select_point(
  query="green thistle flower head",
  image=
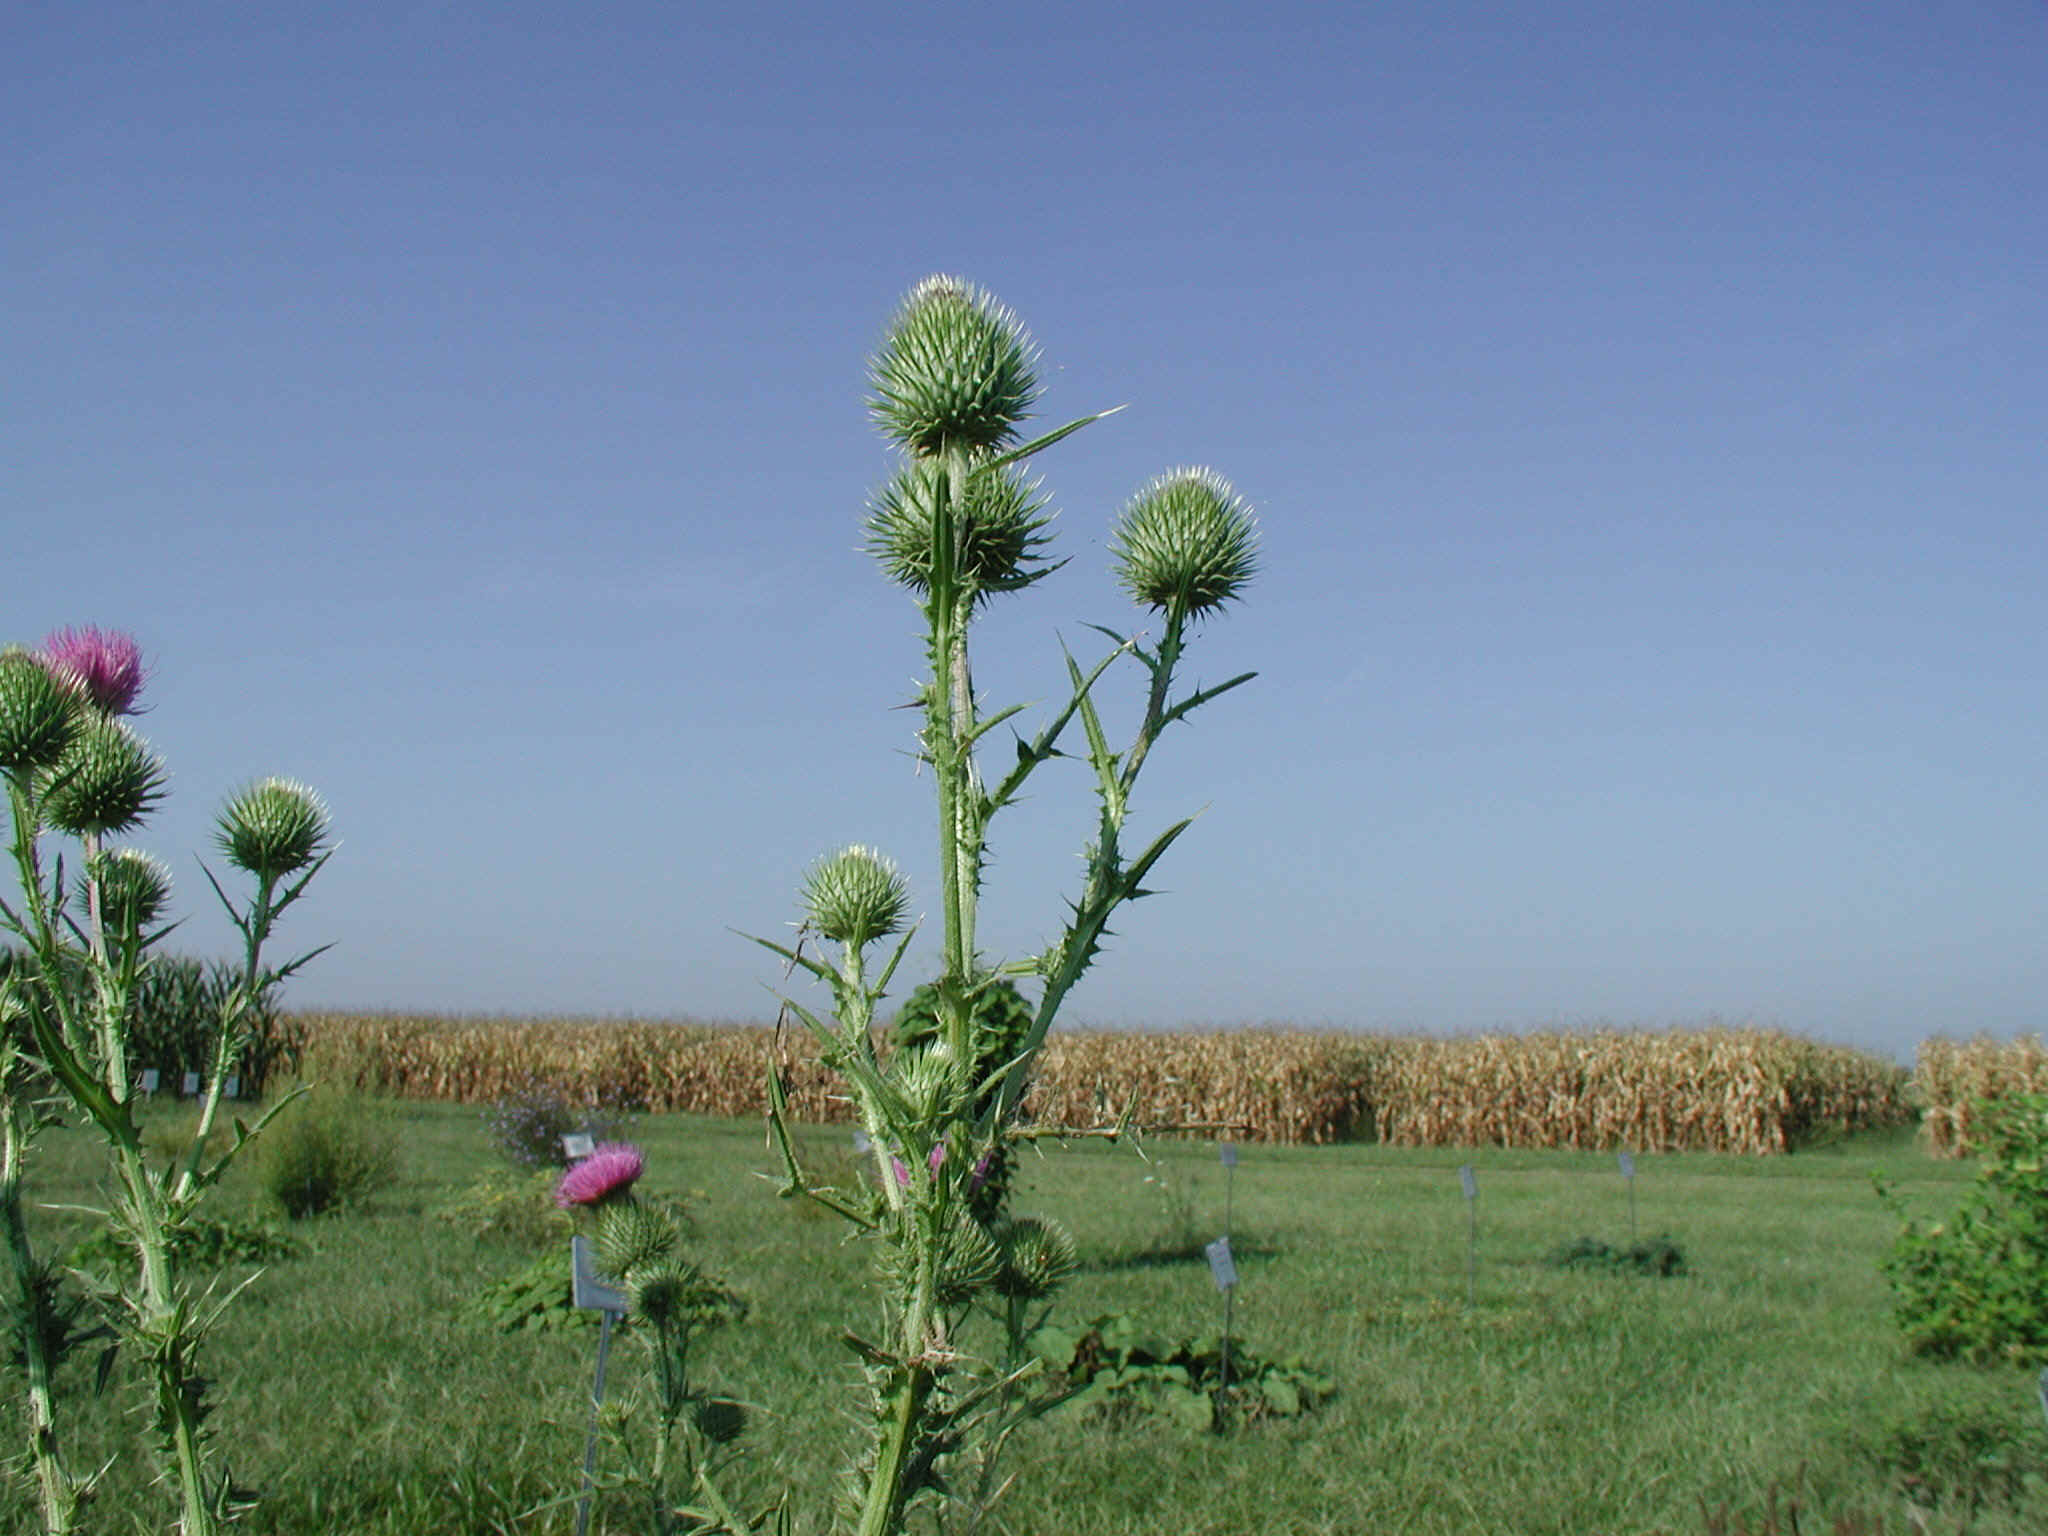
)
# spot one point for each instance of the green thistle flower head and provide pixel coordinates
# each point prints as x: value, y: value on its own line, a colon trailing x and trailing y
x: 1038, y: 1257
x: 956, y: 371
x: 37, y: 713
x: 661, y: 1295
x: 856, y: 896
x: 272, y: 829
x: 632, y: 1238
x: 106, y: 781
x: 134, y: 889
x: 1000, y: 523
x: 1186, y: 541
x: 969, y: 1262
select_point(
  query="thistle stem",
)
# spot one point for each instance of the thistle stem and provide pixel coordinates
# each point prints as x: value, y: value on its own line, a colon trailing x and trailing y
x: 56, y: 1491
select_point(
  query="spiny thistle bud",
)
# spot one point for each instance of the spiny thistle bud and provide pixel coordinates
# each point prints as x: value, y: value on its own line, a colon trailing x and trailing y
x: 134, y: 889
x: 719, y: 1419
x: 633, y: 1237
x: 37, y: 719
x: 855, y: 896
x: 968, y: 1263
x: 1000, y: 519
x: 954, y: 372
x: 1038, y: 1257
x: 925, y: 1075
x: 272, y: 829
x: 102, y: 666
x: 1186, y: 541
x: 106, y: 781
x: 659, y: 1295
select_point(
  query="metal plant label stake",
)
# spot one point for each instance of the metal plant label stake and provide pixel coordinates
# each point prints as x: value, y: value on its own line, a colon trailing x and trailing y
x: 1228, y: 1153
x: 150, y: 1078
x: 610, y: 1304
x: 1470, y: 1181
x: 1224, y: 1270
x: 576, y: 1146
x: 191, y: 1089
x: 1628, y: 1171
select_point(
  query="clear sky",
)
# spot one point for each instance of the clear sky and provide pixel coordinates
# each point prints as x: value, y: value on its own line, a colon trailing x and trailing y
x: 1643, y: 402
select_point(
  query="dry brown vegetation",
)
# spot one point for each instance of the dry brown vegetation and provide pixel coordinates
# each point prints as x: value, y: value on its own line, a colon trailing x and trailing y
x: 1716, y: 1089
x: 1951, y: 1077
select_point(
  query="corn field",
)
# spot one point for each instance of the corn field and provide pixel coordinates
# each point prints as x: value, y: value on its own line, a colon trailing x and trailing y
x: 1717, y: 1090
x: 1952, y: 1077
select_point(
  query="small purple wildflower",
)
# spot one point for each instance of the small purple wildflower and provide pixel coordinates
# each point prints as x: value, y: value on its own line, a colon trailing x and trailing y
x: 937, y: 1159
x: 103, y: 664
x: 982, y: 1165
x: 607, y: 1173
x: 902, y: 1171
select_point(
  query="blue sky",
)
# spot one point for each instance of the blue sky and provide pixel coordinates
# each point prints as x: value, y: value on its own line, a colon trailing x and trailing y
x: 1643, y: 404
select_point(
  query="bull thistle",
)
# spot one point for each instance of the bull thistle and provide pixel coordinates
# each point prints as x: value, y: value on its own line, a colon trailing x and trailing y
x: 956, y: 526
x: 73, y: 768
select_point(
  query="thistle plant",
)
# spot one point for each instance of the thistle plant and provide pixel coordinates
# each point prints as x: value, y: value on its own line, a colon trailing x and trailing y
x: 957, y: 526
x: 77, y: 773
x: 669, y: 1301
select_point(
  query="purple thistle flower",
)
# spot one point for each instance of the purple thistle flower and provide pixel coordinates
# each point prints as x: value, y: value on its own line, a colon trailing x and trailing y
x: 937, y: 1159
x: 982, y: 1165
x: 610, y: 1171
x: 103, y: 664
x: 902, y: 1172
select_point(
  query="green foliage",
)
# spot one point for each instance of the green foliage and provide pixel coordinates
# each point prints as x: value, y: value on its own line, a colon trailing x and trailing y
x: 1976, y: 1286
x: 1660, y: 1256
x: 506, y: 1207
x: 202, y: 1242
x: 176, y: 1017
x: 1000, y: 1023
x: 328, y: 1153
x: 1969, y: 1455
x: 1114, y: 1368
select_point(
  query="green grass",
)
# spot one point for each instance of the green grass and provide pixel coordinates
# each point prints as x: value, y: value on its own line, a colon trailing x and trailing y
x: 357, y: 1397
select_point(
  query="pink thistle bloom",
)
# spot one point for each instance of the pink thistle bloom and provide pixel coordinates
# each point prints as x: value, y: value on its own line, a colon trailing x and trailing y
x: 105, y: 665
x: 610, y: 1171
x: 982, y: 1165
x: 937, y: 1159
x: 902, y: 1172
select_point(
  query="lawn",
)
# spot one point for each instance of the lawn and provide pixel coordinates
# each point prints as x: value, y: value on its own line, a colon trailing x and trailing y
x: 359, y: 1395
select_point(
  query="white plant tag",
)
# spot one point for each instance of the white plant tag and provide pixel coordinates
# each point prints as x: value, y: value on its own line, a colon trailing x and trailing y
x: 575, y: 1145
x: 589, y: 1291
x: 191, y: 1089
x: 1228, y: 1152
x: 150, y: 1078
x: 232, y: 1089
x: 1470, y: 1180
x: 1628, y: 1165
x: 1220, y: 1263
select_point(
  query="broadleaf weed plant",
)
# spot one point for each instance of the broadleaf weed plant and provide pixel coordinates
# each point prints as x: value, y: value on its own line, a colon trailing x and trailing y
x: 958, y: 526
x: 78, y: 774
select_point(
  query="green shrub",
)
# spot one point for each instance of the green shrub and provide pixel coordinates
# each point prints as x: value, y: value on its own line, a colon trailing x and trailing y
x: 328, y: 1152
x: 1976, y: 1286
x: 1115, y: 1369
x: 511, y: 1208
x: 203, y: 1242
x: 1660, y: 1256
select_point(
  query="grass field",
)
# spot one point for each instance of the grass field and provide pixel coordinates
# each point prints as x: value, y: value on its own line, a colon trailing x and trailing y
x: 358, y: 1397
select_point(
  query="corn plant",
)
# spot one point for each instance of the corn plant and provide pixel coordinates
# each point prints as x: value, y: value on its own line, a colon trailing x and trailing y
x: 78, y: 773
x: 960, y: 526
